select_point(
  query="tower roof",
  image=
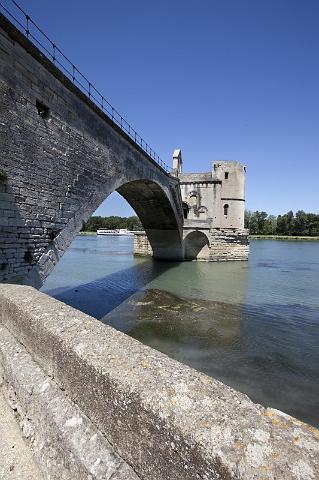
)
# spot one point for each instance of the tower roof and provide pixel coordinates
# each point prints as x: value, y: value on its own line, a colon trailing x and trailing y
x: 177, y: 153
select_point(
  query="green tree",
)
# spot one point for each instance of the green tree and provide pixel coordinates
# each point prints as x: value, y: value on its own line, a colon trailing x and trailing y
x: 301, y: 224
x: 112, y: 223
x: 282, y: 225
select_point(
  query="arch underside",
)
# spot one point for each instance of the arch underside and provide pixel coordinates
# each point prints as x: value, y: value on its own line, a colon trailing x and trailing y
x: 196, y: 245
x: 157, y: 216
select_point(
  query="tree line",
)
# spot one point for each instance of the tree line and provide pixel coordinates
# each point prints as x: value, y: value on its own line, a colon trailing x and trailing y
x: 259, y: 223
x: 112, y: 223
x: 301, y: 224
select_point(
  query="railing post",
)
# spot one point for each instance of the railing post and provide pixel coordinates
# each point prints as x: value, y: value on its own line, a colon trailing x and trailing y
x: 27, y: 22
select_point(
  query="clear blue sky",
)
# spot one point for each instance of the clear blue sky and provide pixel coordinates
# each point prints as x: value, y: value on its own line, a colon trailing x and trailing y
x: 220, y: 79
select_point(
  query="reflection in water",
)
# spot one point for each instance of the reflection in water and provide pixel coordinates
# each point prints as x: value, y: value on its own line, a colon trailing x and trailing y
x: 255, y: 326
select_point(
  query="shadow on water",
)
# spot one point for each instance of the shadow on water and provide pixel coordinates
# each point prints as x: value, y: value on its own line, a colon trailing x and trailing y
x: 99, y: 297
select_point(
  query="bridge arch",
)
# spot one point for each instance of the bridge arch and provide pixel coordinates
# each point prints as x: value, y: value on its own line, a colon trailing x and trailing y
x: 154, y: 205
x: 155, y: 211
x: 196, y: 246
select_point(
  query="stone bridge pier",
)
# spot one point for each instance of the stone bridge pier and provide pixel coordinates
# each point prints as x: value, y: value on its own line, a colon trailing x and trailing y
x: 60, y: 157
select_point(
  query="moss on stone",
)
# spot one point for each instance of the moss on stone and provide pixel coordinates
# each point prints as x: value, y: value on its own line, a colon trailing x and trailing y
x: 3, y: 176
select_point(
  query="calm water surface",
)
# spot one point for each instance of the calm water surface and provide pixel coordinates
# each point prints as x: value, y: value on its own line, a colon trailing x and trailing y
x: 254, y: 325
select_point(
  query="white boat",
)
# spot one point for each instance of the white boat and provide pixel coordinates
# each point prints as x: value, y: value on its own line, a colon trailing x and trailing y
x: 120, y: 231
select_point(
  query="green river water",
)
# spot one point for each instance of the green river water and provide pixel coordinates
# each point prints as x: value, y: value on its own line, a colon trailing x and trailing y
x: 253, y: 325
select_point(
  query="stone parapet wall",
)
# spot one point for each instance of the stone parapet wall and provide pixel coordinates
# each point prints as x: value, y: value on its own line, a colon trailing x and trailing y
x: 82, y: 383
x: 193, y: 224
x: 64, y: 442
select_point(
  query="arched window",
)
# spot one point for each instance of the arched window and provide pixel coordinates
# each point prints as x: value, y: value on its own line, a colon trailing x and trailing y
x: 226, y: 207
x: 185, y: 209
x: 193, y: 199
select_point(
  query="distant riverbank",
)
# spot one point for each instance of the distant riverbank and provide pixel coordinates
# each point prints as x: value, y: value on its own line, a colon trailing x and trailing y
x: 281, y: 237
x: 253, y: 237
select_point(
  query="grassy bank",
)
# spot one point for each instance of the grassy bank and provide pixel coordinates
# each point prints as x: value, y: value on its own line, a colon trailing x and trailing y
x: 281, y: 237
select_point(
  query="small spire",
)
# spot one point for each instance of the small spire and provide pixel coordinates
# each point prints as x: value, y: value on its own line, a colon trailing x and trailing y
x: 177, y: 162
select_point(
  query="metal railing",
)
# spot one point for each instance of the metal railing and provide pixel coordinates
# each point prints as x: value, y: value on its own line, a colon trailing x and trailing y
x: 28, y: 27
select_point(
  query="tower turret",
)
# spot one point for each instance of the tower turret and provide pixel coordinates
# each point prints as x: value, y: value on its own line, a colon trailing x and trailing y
x: 177, y: 162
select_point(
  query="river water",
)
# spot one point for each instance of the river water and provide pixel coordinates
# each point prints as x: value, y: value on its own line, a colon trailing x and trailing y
x: 253, y: 325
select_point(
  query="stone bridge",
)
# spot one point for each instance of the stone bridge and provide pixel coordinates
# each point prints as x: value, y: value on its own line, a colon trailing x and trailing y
x: 72, y: 406
x: 60, y: 157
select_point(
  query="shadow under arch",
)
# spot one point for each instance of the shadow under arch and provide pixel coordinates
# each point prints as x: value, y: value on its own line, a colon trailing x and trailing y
x: 196, y: 245
x: 102, y: 295
x: 157, y: 215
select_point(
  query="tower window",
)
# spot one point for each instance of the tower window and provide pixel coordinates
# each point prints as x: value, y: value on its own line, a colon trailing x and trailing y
x: 226, y: 175
x: 226, y: 207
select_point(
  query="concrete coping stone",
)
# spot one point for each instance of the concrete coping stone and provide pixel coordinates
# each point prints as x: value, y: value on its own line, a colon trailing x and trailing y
x: 62, y: 441
x: 166, y: 420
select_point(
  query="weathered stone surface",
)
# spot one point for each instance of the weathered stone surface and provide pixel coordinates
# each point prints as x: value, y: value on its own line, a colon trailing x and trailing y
x: 163, y: 418
x: 16, y: 458
x: 64, y: 441
x: 59, y: 169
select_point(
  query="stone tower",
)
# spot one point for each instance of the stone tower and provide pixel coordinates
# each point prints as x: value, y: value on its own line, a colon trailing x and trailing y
x: 214, y: 209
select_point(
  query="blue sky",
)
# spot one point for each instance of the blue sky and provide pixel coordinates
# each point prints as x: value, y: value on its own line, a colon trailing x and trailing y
x: 220, y: 79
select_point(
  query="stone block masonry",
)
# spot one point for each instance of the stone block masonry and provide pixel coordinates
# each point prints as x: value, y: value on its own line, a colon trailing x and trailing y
x: 228, y: 245
x: 84, y: 384
x: 142, y: 246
